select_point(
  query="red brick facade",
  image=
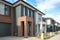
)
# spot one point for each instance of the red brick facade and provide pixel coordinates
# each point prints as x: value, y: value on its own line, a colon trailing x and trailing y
x: 25, y: 19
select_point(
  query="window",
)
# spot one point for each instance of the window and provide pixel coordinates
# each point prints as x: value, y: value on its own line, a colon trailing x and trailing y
x: 26, y: 11
x: 1, y: 9
x: 22, y: 10
x: 29, y: 13
x: 39, y: 17
x: 7, y: 10
x: 4, y: 9
x: 32, y: 14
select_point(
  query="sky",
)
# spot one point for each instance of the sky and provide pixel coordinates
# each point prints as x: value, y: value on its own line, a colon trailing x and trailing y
x: 51, y: 8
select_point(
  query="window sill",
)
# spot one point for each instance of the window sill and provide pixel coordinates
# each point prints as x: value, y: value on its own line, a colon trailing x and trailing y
x: 4, y: 15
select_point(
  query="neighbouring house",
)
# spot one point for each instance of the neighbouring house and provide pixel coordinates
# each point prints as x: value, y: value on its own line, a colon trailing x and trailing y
x: 50, y: 24
x: 41, y: 27
x: 19, y: 19
x: 57, y: 25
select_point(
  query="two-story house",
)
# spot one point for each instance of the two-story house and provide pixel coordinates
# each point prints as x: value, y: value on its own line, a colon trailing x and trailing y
x: 18, y: 19
x: 50, y: 24
x: 57, y: 26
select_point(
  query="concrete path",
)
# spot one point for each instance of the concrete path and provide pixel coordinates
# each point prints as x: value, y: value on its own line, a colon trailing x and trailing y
x: 57, y: 37
x: 19, y: 38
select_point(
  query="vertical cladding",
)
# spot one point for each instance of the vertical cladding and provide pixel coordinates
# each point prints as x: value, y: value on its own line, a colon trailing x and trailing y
x: 16, y: 16
x: 18, y: 12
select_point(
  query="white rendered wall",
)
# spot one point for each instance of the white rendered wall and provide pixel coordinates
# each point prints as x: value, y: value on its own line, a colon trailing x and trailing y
x: 38, y: 19
x: 48, y: 21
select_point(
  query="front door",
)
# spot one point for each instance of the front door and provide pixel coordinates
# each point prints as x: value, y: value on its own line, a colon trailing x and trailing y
x: 29, y: 25
x: 22, y: 28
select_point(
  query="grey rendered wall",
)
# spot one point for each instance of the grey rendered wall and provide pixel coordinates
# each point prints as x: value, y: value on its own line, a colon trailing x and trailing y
x: 16, y: 16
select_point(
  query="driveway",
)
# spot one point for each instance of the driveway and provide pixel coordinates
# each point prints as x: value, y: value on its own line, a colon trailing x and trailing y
x: 19, y: 38
x: 57, y: 37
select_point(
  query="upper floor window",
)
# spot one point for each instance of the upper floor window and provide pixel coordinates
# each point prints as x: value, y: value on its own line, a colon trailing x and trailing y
x: 26, y: 11
x: 2, y: 9
x: 7, y: 10
x: 29, y: 12
x: 39, y: 17
x: 22, y: 10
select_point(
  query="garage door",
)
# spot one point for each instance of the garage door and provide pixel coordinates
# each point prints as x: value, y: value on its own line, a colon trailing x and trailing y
x: 5, y: 29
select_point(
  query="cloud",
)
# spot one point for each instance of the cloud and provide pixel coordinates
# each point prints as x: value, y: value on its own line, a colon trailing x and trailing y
x: 56, y: 17
x: 24, y: 0
x: 47, y: 4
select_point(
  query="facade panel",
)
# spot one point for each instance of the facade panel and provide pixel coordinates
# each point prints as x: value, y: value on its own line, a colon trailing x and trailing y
x: 18, y: 12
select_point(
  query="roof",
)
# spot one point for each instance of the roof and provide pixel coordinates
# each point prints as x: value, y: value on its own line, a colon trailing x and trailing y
x: 29, y: 5
x: 50, y: 19
x: 25, y: 3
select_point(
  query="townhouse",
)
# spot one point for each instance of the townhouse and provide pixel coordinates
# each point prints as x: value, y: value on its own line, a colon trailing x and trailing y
x: 42, y: 27
x: 57, y: 25
x: 19, y: 19
x: 50, y: 24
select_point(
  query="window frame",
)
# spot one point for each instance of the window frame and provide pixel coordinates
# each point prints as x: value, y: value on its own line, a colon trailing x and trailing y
x: 3, y: 10
x: 9, y: 10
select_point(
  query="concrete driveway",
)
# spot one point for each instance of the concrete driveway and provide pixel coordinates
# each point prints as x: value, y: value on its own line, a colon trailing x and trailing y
x: 19, y: 38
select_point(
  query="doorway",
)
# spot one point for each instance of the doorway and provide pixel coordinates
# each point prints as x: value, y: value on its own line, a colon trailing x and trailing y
x: 29, y: 25
x: 25, y: 26
x: 22, y: 24
x: 28, y: 29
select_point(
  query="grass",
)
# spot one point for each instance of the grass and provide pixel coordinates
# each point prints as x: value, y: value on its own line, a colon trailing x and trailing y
x: 47, y: 36
x: 56, y: 32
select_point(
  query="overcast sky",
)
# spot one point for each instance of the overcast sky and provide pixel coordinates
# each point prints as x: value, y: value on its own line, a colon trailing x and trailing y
x: 51, y: 8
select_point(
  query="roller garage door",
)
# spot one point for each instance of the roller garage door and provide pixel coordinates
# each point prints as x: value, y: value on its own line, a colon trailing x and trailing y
x: 5, y: 29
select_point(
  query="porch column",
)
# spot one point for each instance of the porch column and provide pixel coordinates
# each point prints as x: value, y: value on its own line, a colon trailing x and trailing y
x: 25, y: 29
x: 45, y: 29
x: 19, y: 29
x: 52, y: 28
x: 37, y: 28
x: 31, y: 29
x: 41, y: 27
